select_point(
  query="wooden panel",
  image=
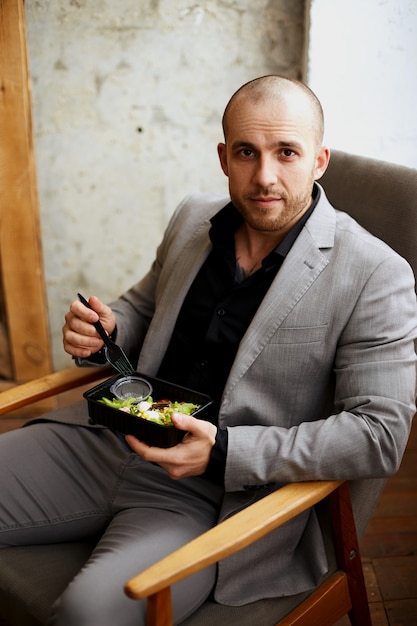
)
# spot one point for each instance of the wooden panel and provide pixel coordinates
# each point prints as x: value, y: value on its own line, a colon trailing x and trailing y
x: 324, y: 606
x: 397, y: 577
x: 20, y: 248
x: 372, y: 589
x: 378, y: 615
x: 390, y: 536
x: 402, y: 612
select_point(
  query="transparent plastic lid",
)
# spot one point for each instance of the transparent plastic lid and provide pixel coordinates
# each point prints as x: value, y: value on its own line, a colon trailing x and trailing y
x: 131, y: 387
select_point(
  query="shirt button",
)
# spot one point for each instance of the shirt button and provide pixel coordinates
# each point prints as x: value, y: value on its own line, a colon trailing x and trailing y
x: 221, y: 312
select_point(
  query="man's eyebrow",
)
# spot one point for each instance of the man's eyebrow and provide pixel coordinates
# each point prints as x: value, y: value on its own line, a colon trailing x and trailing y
x: 279, y: 144
x: 242, y: 144
x: 289, y: 144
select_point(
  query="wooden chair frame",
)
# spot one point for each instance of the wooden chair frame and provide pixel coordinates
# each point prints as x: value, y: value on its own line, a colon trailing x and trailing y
x: 343, y: 592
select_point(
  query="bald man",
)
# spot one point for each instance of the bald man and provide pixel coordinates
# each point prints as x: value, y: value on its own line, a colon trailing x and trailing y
x: 298, y: 323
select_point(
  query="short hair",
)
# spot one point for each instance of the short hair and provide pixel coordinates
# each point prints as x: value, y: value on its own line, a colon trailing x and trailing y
x: 276, y: 86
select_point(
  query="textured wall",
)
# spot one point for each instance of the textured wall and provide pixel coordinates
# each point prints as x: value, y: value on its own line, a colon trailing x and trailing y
x: 127, y: 99
x: 362, y: 64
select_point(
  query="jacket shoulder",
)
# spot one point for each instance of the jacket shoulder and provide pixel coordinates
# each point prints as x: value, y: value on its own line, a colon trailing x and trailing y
x: 206, y: 204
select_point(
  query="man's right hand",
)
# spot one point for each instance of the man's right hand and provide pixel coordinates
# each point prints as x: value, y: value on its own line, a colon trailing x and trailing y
x: 81, y: 339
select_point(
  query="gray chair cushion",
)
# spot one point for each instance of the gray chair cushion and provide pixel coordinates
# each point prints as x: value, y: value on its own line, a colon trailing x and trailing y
x: 381, y: 196
x: 260, y: 613
x: 33, y: 577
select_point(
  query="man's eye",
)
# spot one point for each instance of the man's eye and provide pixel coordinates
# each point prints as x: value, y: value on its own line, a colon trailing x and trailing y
x: 247, y: 152
x: 287, y: 153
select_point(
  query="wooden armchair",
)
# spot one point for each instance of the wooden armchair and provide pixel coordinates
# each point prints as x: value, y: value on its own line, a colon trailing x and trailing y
x: 381, y: 196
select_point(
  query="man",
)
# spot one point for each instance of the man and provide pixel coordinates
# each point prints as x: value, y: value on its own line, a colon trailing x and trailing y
x: 297, y: 322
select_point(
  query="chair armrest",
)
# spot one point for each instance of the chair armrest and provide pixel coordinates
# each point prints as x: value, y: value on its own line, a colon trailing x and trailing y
x: 50, y: 385
x: 230, y: 536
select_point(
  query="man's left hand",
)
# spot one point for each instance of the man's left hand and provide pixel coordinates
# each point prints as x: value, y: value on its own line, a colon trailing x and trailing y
x: 188, y: 458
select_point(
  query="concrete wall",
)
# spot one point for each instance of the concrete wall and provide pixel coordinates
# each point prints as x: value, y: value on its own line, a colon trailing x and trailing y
x: 362, y: 65
x: 127, y: 100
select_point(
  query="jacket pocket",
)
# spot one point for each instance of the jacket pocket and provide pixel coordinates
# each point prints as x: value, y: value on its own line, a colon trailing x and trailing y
x: 300, y: 334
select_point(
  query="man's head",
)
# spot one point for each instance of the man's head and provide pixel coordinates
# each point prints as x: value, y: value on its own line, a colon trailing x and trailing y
x: 273, y: 129
x: 276, y: 87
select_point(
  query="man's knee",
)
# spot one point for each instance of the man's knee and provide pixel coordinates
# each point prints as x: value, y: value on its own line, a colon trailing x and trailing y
x: 82, y: 605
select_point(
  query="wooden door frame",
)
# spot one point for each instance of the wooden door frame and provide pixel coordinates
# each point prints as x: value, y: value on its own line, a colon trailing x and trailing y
x: 21, y: 262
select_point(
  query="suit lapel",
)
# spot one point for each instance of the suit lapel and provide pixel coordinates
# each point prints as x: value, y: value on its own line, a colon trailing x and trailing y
x: 174, y: 287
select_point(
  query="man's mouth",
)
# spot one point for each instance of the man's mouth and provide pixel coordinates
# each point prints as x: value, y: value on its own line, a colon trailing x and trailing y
x: 265, y: 201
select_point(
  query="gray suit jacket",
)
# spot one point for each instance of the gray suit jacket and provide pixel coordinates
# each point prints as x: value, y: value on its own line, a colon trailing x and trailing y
x: 322, y: 387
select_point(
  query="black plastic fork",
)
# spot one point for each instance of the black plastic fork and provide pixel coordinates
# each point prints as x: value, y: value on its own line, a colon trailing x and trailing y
x: 114, y: 353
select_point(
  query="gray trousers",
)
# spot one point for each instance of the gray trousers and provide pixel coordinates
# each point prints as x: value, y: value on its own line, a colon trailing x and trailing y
x: 62, y: 483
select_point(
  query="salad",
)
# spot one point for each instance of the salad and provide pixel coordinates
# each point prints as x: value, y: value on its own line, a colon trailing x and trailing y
x: 159, y: 412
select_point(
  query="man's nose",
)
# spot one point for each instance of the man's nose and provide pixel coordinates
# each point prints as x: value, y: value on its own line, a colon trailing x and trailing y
x: 266, y: 173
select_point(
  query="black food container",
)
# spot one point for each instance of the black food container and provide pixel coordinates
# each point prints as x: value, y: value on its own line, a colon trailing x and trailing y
x: 150, y: 432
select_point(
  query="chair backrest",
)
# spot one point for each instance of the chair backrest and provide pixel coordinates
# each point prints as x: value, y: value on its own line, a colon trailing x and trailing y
x: 381, y: 196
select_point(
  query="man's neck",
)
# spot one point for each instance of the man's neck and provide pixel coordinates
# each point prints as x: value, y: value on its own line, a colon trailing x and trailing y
x: 252, y: 246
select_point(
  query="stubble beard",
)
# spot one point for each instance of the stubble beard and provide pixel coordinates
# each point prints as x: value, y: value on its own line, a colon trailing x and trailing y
x: 260, y: 219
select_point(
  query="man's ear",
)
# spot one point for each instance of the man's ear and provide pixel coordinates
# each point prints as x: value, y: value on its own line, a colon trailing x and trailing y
x: 322, y: 161
x: 222, y: 152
